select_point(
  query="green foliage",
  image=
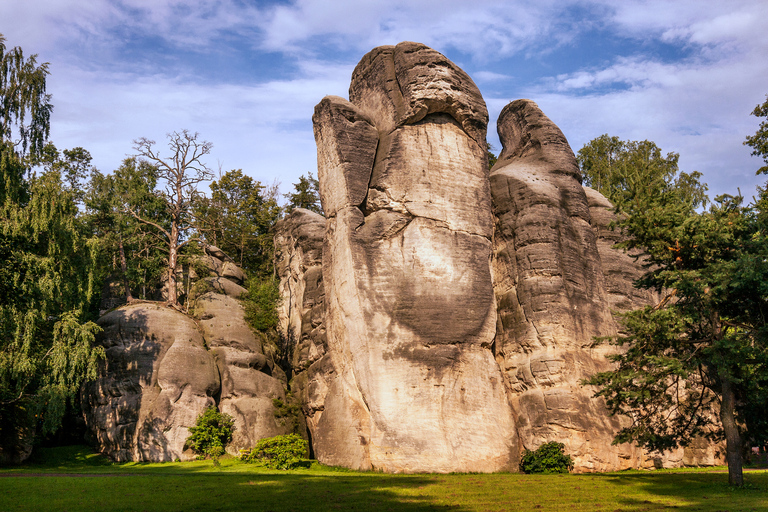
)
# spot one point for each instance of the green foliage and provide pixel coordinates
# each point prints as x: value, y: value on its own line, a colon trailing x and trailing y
x: 261, y: 304
x: 492, y: 158
x: 704, y: 347
x: 549, y: 458
x: 239, y: 218
x: 634, y: 173
x: 130, y: 248
x: 306, y: 195
x: 288, y: 412
x: 211, y: 433
x: 24, y: 104
x: 279, y: 452
x: 759, y: 141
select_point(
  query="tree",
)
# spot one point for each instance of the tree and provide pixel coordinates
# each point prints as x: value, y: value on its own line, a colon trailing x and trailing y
x: 132, y: 245
x: 759, y: 141
x: 25, y: 107
x: 701, y: 353
x: 239, y: 218
x: 180, y: 174
x: 306, y: 195
x: 628, y: 172
x: 48, y: 287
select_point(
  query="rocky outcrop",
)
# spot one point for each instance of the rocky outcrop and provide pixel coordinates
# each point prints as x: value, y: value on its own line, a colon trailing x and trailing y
x: 249, y: 379
x: 551, y: 292
x: 406, y: 267
x: 164, y: 368
x: 620, y: 268
x: 158, y: 378
x: 298, y: 263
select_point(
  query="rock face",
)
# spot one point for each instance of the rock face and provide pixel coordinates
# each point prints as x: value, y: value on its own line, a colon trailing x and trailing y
x: 406, y: 265
x: 164, y: 368
x: 551, y: 291
x: 453, y: 316
x: 158, y: 378
x: 298, y: 262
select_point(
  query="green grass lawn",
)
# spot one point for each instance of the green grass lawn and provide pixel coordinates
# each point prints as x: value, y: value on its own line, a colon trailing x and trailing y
x: 87, y: 482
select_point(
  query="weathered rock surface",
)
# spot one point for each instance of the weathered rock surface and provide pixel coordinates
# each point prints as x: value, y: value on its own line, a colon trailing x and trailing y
x: 158, y: 378
x: 409, y: 298
x: 551, y: 292
x: 298, y: 262
x: 164, y: 368
x: 620, y: 268
x: 247, y: 382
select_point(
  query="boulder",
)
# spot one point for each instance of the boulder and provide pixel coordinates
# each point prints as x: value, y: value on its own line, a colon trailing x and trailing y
x: 158, y: 377
x: 248, y: 386
x: 412, y: 381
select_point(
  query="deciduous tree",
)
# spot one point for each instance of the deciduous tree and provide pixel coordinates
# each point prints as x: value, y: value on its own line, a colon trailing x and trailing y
x: 48, y: 287
x: 179, y: 175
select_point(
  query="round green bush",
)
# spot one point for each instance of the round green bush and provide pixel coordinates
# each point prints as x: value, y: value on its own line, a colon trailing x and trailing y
x: 548, y: 458
x: 279, y: 452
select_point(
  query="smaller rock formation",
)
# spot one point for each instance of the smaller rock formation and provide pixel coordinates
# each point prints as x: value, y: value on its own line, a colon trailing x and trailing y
x: 157, y: 379
x: 298, y: 262
x: 163, y: 368
x: 551, y: 292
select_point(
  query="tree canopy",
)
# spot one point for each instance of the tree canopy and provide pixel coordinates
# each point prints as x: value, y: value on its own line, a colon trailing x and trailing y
x: 306, y: 195
x: 759, y: 141
x: 46, y: 271
x: 697, y: 362
x: 630, y: 173
x: 239, y: 218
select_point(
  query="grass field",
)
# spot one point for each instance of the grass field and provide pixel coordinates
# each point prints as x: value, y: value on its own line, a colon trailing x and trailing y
x: 74, y: 479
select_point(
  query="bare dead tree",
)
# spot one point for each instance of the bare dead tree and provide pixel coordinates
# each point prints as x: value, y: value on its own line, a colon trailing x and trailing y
x: 180, y: 174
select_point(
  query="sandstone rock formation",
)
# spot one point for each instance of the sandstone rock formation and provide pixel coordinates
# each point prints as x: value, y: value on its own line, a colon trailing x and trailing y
x: 158, y: 378
x: 406, y: 266
x: 551, y: 290
x: 298, y: 262
x: 432, y: 267
x: 163, y: 368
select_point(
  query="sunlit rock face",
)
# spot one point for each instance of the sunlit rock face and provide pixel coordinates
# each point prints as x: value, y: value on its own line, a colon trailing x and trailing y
x: 410, y: 310
x: 164, y: 368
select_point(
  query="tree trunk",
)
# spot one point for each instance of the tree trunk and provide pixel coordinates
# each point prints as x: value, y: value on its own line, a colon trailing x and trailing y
x: 172, y: 257
x: 124, y: 269
x: 732, y: 436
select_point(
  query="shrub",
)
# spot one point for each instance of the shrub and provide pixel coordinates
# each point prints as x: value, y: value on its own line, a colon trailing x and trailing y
x: 548, y: 458
x: 261, y: 303
x: 279, y: 452
x: 211, y: 433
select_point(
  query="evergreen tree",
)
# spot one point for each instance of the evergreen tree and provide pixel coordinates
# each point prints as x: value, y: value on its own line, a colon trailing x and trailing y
x: 306, y: 195
x: 701, y: 354
x: 239, y: 218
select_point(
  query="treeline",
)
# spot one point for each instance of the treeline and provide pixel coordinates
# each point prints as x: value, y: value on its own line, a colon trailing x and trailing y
x: 696, y: 363
x: 67, y: 228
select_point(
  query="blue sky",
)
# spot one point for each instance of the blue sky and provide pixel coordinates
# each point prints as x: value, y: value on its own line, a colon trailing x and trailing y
x: 247, y: 74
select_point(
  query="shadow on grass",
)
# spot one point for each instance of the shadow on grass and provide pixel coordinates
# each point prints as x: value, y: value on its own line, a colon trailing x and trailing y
x: 690, y: 490
x: 199, y: 486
